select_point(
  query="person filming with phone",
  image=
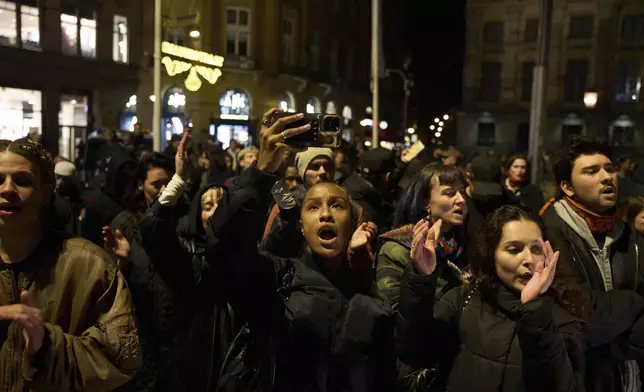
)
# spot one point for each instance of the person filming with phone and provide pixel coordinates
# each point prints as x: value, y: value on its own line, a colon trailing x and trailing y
x: 317, y: 323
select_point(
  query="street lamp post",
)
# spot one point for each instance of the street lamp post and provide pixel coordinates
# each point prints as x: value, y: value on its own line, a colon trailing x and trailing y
x: 156, y: 109
x: 539, y: 84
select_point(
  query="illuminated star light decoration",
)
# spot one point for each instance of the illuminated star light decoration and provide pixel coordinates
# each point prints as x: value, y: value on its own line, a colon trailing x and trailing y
x: 193, y: 81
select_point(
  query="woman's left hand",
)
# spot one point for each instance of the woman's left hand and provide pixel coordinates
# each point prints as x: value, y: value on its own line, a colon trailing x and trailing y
x: 182, y: 158
x: 543, y: 274
x: 362, y: 236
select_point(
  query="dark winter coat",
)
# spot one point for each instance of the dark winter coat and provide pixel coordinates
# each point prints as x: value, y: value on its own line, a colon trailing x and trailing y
x: 497, y: 344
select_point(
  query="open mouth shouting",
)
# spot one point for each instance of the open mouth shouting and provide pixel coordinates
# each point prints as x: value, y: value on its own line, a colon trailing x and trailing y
x: 327, y: 235
x: 7, y: 210
x: 609, y: 192
x: 525, y: 277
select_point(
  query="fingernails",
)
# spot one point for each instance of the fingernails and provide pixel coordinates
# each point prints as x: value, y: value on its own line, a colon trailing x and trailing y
x: 300, y: 115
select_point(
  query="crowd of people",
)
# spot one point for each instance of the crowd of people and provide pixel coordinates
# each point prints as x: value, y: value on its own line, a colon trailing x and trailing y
x: 284, y: 269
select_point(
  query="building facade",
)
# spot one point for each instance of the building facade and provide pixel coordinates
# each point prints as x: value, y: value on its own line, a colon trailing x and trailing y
x: 62, y: 63
x: 251, y: 55
x: 595, y: 45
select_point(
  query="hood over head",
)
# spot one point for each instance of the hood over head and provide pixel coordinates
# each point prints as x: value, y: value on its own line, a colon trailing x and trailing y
x: 190, y: 226
x: 117, y: 179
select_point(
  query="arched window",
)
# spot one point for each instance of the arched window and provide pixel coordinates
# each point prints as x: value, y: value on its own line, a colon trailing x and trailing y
x: 286, y: 102
x: 174, y: 101
x: 235, y: 104
x: 330, y: 108
x: 313, y: 105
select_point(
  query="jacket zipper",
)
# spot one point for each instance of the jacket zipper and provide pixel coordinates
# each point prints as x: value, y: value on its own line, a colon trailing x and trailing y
x: 15, y: 339
x: 637, y: 266
x: 577, y: 260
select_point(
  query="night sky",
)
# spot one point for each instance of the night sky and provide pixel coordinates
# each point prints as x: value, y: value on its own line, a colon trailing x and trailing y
x: 435, y: 31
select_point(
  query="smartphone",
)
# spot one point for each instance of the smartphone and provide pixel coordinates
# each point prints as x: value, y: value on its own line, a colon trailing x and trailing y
x: 413, y: 151
x: 325, y: 131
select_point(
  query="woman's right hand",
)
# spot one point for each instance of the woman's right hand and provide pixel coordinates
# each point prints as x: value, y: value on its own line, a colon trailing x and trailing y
x: 423, y: 246
x: 272, y: 139
x: 116, y: 242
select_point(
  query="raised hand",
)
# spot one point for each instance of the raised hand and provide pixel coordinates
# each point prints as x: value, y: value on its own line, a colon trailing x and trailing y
x: 543, y: 274
x: 116, y: 242
x: 272, y: 139
x: 423, y: 246
x: 29, y: 318
x: 182, y: 159
x: 362, y: 236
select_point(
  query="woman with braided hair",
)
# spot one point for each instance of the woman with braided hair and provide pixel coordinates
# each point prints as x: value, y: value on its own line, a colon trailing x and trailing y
x: 66, y: 317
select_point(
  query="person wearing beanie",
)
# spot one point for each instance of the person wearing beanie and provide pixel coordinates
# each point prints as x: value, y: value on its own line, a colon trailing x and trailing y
x: 315, y: 165
x: 68, y: 202
x: 282, y: 234
x: 65, y: 169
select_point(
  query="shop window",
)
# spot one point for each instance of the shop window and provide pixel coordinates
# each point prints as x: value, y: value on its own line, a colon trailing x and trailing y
x: 238, y: 29
x: 78, y: 26
x: 120, y: 48
x: 8, y: 24
x: 29, y: 27
x: 20, y: 113
x: 234, y: 104
x: 73, y: 120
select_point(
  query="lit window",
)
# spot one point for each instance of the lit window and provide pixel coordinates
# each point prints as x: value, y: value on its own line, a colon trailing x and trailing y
x: 8, y: 23
x: 76, y: 28
x: 119, y: 41
x: 238, y: 28
x: 69, y: 26
x: 20, y: 113
x: 88, y: 37
x: 30, y: 27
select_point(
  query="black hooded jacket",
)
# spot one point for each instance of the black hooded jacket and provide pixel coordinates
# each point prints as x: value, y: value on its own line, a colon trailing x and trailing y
x: 179, y: 256
x: 101, y: 207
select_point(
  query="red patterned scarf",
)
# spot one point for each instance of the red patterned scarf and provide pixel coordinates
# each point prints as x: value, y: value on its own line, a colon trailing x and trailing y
x: 597, y: 223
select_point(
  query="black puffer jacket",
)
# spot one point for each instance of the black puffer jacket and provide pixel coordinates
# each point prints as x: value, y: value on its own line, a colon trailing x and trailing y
x: 497, y: 345
x: 332, y: 332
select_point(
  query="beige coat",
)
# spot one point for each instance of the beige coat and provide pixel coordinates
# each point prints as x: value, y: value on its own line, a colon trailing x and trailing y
x: 92, y: 341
